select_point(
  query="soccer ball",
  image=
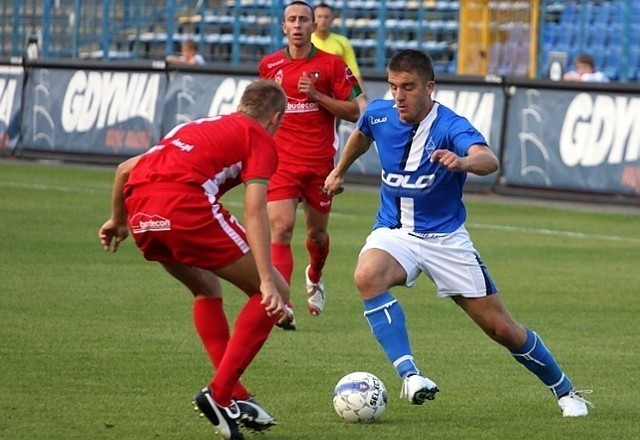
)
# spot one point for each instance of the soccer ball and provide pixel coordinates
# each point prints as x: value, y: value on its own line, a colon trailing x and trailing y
x: 360, y: 397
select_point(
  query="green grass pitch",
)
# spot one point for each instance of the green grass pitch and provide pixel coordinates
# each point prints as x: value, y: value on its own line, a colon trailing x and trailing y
x: 101, y: 346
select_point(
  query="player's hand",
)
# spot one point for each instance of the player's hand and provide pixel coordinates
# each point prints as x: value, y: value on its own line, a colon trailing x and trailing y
x: 306, y: 85
x: 111, y: 234
x: 286, y: 317
x: 271, y: 300
x: 333, y: 184
x: 447, y: 159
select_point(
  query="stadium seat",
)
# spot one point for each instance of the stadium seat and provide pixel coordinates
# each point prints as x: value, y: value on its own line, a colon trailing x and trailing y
x: 601, y: 14
x: 566, y: 36
x: 495, y: 58
x: 569, y: 14
x: 509, y: 58
x: 597, y: 35
x: 549, y: 34
x: 614, y: 34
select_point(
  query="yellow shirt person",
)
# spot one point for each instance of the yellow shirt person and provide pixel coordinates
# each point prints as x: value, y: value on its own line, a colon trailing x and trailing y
x: 336, y: 44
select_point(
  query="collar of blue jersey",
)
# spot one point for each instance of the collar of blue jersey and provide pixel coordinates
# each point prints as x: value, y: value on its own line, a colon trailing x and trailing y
x: 312, y: 52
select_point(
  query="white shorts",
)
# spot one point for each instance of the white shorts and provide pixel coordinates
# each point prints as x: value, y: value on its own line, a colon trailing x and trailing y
x: 449, y: 260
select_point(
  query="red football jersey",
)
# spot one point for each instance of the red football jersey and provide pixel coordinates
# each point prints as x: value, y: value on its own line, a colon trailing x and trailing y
x: 216, y: 153
x: 308, y: 131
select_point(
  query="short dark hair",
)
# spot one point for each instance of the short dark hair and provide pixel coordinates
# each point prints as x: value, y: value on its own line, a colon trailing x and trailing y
x: 587, y: 59
x: 412, y: 60
x: 301, y: 3
x: 323, y: 5
x: 191, y: 44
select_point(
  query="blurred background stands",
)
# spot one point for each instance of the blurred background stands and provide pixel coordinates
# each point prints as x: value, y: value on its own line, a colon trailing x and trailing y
x: 466, y: 37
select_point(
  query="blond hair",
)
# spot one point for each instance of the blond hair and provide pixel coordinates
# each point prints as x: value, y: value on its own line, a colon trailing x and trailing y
x: 262, y: 99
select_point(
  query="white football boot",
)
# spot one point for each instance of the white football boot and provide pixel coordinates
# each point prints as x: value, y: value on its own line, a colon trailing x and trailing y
x: 315, y: 294
x: 574, y: 405
x: 418, y: 388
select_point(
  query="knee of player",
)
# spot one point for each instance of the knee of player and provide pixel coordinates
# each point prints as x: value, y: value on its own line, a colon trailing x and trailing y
x: 369, y: 281
x: 506, y: 333
x: 281, y: 231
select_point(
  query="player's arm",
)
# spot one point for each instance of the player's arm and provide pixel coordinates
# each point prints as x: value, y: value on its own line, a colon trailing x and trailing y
x: 350, y: 58
x: 115, y: 230
x: 259, y: 236
x: 357, y: 144
x: 347, y: 110
x: 344, y: 109
x: 480, y: 160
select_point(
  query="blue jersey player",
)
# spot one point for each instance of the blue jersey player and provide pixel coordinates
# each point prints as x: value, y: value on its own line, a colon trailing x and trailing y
x: 426, y: 151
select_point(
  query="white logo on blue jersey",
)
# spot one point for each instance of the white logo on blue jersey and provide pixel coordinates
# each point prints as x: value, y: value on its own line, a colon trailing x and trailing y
x: 408, y: 181
x: 417, y: 195
x: 374, y: 121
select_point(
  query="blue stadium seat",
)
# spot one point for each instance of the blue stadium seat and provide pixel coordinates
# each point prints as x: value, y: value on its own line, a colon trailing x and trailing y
x: 616, y: 13
x: 597, y: 35
x: 614, y: 34
x: 566, y: 36
x: 601, y: 14
x: 634, y: 35
x: 569, y: 14
x: 549, y: 34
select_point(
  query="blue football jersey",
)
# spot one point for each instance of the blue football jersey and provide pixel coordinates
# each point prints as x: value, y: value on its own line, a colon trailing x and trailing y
x: 415, y: 194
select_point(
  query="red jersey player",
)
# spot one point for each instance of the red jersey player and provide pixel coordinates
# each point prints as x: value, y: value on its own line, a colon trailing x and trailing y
x: 169, y: 198
x: 319, y: 87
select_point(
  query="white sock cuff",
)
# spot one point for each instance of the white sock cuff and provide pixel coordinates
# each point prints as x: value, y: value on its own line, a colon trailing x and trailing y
x: 382, y: 307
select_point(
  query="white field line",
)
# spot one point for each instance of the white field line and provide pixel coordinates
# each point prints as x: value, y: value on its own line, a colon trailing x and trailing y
x: 491, y: 227
x: 59, y: 188
x: 543, y: 231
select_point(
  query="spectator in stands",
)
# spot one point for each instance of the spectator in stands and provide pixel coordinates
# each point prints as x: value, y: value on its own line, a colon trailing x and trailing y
x: 325, y: 39
x: 169, y: 197
x: 188, y: 54
x: 426, y: 151
x: 319, y: 89
x: 585, y: 70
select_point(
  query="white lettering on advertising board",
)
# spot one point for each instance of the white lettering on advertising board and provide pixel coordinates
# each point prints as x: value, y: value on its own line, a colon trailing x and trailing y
x: 227, y: 96
x: 95, y: 100
x: 7, y: 94
x: 601, y: 129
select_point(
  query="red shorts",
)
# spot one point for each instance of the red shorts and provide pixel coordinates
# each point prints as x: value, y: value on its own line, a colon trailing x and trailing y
x: 302, y: 182
x: 174, y: 223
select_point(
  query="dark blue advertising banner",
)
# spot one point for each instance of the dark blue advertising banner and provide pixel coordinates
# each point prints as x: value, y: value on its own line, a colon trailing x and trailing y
x: 92, y: 111
x: 571, y: 140
x: 194, y: 95
x: 11, y: 83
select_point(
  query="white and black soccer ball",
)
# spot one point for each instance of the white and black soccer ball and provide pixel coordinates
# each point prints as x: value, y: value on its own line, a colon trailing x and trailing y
x: 360, y: 397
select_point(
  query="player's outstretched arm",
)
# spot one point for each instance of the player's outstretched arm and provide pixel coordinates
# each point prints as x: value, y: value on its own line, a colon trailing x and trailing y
x: 356, y: 146
x: 115, y: 230
x: 480, y: 160
x: 259, y: 236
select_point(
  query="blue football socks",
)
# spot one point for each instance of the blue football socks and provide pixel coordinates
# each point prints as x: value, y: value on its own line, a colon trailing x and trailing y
x: 539, y: 360
x: 387, y: 321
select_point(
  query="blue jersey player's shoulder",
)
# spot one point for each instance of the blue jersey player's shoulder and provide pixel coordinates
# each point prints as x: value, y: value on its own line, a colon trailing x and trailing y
x: 378, y: 110
x: 378, y: 107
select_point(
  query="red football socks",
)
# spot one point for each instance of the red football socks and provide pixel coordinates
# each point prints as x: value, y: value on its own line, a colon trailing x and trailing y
x: 283, y: 259
x: 251, y: 331
x: 318, y: 256
x: 211, y: 324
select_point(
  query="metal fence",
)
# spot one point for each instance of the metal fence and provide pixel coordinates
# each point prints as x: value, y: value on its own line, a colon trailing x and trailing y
x: 88, y: 28
x: 240, y: 32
